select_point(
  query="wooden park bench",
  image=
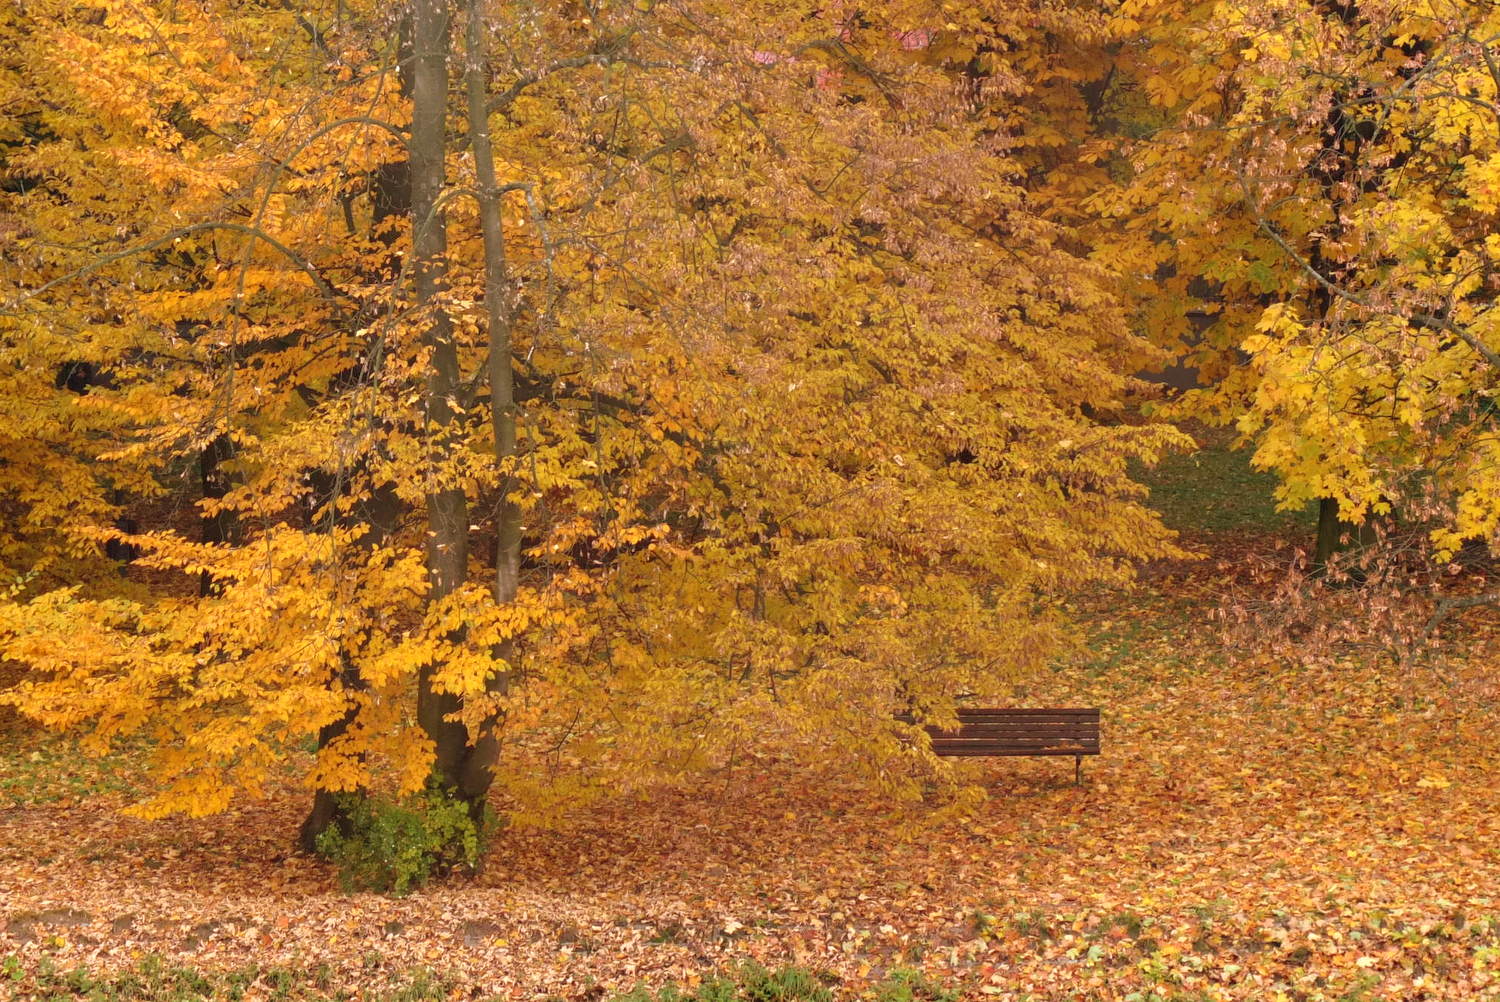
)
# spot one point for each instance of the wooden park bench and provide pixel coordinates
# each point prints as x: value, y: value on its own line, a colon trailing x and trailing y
x: 1008, y: 731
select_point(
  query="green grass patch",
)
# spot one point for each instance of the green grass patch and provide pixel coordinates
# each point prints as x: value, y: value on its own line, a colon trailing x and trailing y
x: 154, y: 980
x: 1215, y: 490
x: 38, y: 769
x: 751, y: 983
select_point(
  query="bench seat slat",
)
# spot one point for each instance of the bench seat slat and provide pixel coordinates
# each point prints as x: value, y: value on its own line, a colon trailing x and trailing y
x: 1017, y: 742
x: 981, y: 751
x: 980, y: 731
x: 1029, y: 721
x: 1017, y: 739
x: 1023, y: 728
x: 976, y: 713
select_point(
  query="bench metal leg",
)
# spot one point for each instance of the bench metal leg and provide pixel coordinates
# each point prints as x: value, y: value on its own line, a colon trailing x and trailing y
x: 1077, y: 770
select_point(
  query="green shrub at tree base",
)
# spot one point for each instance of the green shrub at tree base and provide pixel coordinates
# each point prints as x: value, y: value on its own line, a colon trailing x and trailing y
x: 393, y: 847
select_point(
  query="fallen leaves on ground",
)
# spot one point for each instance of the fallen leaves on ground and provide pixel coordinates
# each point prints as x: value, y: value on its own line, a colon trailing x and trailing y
x: 1255, y: 829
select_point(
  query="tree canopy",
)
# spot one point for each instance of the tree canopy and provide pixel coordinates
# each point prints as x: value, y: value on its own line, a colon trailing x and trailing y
x: 563, y: 396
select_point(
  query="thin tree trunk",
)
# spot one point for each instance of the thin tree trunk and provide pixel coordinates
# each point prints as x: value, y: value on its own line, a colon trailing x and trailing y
x: 481, y: 758
x: 222, y: 526
x: 447, y: 507
x: 326, y: 810
x: 1330, y: 528
x: 379, y: 515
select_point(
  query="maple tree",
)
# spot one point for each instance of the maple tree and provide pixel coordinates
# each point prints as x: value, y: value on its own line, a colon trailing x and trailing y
x: 622, y: 385
x: 1316, y: 182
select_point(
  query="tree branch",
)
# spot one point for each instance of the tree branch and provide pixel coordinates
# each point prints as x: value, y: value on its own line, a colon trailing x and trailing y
x: 1427, y: 320
x: 1448, y: 606
x: 324, y: 288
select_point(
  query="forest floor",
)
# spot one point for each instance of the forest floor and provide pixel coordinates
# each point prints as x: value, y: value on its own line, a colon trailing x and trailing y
x: 1259, y: 827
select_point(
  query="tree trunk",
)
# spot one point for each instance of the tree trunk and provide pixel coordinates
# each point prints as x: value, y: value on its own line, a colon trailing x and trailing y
x: 326, y: 810
x: 481, y: 758
x: 1337, y: 536
x: 379, y: 516
x: 222, y: 526
x: 447, y: 507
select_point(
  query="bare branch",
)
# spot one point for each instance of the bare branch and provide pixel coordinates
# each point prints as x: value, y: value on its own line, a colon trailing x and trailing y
x: 1449, y: 606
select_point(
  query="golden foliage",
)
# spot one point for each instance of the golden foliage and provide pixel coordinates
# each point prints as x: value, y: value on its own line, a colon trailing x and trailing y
x: 810, y: 372
x: 1319, y: 181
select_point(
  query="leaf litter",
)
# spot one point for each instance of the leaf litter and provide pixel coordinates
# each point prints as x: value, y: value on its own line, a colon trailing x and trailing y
x: 1258, y: 827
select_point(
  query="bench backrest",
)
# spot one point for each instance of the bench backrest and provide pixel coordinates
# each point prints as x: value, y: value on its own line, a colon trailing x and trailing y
x: 1006, y: 731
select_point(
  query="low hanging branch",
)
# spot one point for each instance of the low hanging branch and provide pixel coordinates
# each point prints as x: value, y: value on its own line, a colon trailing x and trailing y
x: 325, y: 289
x: 1448, y: 606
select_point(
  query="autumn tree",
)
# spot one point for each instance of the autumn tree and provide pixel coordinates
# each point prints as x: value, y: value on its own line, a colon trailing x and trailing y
x: 1318, y: 177
x: 610, y: 387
